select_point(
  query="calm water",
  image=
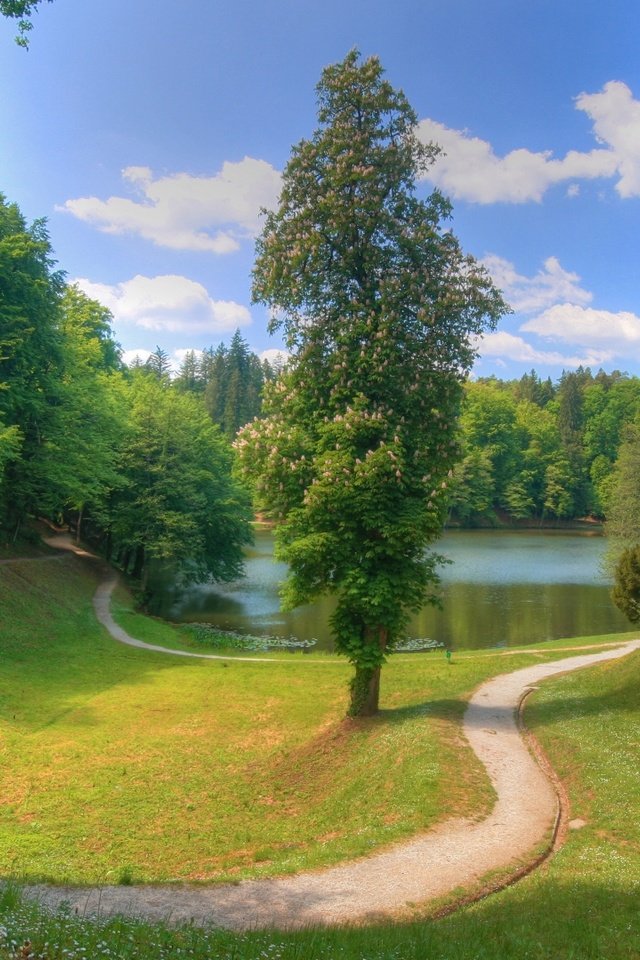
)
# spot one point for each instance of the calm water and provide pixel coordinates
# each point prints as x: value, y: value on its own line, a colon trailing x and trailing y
x: 503, y: 588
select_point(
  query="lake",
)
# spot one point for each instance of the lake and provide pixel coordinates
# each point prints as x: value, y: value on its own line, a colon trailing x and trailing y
x: 502, y: 588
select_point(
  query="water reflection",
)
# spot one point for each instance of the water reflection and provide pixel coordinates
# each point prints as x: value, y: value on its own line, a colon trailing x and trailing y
x: 503, y: 588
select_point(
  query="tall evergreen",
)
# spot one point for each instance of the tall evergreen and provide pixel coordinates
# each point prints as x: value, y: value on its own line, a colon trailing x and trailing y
x: 158, y: 363
x: 189, y: 379
x: 235, y: 380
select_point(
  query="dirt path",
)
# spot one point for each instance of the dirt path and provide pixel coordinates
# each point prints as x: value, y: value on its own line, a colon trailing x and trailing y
x: 102, y: 607
x: 458, y: 853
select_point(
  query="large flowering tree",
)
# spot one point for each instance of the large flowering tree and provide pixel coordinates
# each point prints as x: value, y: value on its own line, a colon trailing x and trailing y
x: 379, y: 308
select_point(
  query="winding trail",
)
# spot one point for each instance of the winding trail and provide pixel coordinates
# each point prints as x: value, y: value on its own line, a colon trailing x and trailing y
x: 456, y: 854
x: 102, y: 607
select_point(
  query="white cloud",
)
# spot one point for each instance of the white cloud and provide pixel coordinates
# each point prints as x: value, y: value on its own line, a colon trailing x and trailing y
x: 102, y: 292
x: 545, y: 288
x: 618, y: 332
x: 185, y: 212
x: 563, y: 315
x: 616, y: 122
x: 469, y: 168
x: 506, y: 345
x: 130, y: 356
x: 274, y: 356
x: 171, y: 303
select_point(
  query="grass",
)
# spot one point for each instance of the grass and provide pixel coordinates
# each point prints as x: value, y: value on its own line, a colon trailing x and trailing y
x: 581, y: 905
x: 119, y: 760
x: 172, y: 769
x: 125, y: 765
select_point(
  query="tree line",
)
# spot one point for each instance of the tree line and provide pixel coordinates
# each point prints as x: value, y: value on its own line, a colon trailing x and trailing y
x: 530, y: 449
x: 533, y: 450
x: 131, y: 457
x: 230, y: 380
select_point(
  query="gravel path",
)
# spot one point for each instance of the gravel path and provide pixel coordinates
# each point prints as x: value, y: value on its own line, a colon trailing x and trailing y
x: 458, y: 853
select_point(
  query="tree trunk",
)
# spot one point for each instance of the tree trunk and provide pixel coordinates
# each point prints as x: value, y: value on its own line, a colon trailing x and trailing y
x: 365, y: 684
x: 139, y: 564
x: 365, y: 692
x: 79, y: 525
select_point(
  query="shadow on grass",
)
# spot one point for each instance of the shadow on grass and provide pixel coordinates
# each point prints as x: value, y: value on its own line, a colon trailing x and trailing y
x: 559, y: 709
x: 540, y: 918
x: 445, y: 709
x: 55, y: 655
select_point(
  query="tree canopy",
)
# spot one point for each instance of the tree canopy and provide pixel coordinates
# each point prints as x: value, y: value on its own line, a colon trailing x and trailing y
x: 623, y: 520
x: 30, y: 355
x: 125, y: 456
x: 22, y: 11
x: 380, y: 308
x: 538, y: 451
x: 177, y: 504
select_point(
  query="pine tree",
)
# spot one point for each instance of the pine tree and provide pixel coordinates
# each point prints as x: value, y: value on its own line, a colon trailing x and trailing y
x: 158, y: 363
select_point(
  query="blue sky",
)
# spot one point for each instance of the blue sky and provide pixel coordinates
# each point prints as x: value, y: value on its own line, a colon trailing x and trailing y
x: 150, y: 132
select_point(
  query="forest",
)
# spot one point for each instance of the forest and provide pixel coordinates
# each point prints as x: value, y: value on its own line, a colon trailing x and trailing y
x: 130, y: 458
x: 139, y: 460
x: 536, y: 450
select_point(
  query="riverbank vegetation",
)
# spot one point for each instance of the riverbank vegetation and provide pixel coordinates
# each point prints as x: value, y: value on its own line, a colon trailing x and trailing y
x: 260, y: 780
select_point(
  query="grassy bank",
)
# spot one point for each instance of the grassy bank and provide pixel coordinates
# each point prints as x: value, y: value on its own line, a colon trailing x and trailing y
x: 120, y: 764
x: 126, y: 764
x: 582, y: 905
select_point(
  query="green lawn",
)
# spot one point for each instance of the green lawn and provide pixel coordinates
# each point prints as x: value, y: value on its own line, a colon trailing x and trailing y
x: 119, y: 763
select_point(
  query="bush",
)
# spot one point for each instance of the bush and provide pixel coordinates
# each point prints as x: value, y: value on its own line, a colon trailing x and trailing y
x: 626, y: 591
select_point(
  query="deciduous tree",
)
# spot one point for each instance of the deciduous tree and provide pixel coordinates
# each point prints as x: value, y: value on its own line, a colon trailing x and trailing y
x: 78, y: 458
x: 623, y: 519
x: 177, y: 504
x: 379, y: 308
x: 30, y: 358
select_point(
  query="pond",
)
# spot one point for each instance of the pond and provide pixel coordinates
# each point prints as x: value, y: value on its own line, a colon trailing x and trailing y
x: 502, y: 588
